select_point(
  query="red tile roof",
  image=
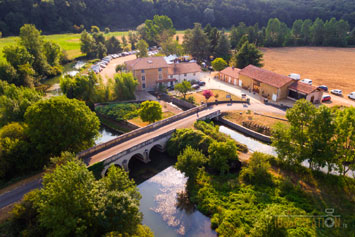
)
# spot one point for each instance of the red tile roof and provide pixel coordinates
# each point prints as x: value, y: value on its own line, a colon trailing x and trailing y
x: 231, y: 72
x: 265, y: 76
x: 182, y: 68
x: 302, y: 87
x: 146, y: 63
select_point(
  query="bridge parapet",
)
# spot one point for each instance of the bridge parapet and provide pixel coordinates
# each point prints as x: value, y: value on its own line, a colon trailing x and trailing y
x: 140, y: 131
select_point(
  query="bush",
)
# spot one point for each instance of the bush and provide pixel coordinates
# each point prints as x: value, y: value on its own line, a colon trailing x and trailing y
x: 119, y: 112
x: 257, y: 171
x: 184, y: 137
x: 221, y: 154
x: 189, y: 161
x: 191, y: 100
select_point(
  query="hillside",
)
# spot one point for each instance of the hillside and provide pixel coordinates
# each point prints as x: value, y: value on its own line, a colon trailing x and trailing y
x: 66, y: 16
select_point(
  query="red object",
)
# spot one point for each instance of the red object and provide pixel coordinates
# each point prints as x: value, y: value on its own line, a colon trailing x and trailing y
x: 207, y: 94
x: 326, y: 98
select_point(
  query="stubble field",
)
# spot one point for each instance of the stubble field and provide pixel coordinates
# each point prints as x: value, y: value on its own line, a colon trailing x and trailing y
x: 334, y: 67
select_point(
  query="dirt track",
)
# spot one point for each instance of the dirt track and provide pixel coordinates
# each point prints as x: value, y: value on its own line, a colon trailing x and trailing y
x: 110, y: 70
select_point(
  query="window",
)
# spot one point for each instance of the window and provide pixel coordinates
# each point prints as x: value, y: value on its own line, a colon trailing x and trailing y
x: 170, y: 76
x: 143, y: 85
x: 142, y: 71
x: 160, y: 77
x: 143, y: 78
x: 185, y: 74
x: 159, y: 69
x: 194, y: 74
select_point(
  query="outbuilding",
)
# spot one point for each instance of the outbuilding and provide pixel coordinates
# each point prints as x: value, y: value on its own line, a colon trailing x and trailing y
x: 299, y: 90
x: 230, y: 75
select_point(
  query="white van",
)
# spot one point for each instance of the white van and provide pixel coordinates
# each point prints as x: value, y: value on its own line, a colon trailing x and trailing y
x: 352, y: 95
x: 307, y: 81
x: 295, y: 76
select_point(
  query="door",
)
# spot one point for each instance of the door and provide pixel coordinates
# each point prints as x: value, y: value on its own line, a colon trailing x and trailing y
x: 235, y: 82
x: 240, y: 83
x: 229, y: 80
x: 274, y: 97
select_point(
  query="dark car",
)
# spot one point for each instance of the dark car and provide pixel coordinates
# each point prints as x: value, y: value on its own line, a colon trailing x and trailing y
x: 201, y: 83
x: 195, y: 86
x: 323, y: 87
x: 326, y: 98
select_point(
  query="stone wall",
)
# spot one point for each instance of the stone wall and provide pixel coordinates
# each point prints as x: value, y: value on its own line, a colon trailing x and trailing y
x: 245, y: 130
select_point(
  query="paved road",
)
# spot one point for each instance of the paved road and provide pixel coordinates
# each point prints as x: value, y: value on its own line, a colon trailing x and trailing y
x: 16, y: 195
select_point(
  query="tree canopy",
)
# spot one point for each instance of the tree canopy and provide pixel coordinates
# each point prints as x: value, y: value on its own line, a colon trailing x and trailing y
x: 183, y: 87
x: 150, y: 111
x: 71, y: 126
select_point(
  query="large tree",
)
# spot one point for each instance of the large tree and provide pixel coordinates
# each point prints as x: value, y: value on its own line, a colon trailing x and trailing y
x: 223, y: 47
x: 142, y: 46
x: 248, y: 54
x: 219, y: 64
x: 157, y: 30
x: 113, y: 45
x: 196, y: 43
x: 150, y: 111
x: 71, y: 202
x: 125, y: 86
x: 61, y: 124
x: 221, y: 154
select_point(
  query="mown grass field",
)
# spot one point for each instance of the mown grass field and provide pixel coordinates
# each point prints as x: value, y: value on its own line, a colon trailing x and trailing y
x: 68, y: 42
x: 334, y: 67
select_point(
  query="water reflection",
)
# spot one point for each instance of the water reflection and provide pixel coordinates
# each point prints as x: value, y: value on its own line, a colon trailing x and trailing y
x: 166, y: 210
x: 106, y: 135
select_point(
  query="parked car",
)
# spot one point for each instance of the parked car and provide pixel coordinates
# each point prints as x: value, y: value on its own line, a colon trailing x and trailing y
x: 295, y: 76
x: 336, y: 92
x: 307, y: 81
x: 352, y: 95
x: 195, y: 86
x: 323, y: 87
x: 201, y: 83
x: 326, y: 98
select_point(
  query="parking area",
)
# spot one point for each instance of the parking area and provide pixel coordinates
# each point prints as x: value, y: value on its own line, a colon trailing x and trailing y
x: 110, y: 70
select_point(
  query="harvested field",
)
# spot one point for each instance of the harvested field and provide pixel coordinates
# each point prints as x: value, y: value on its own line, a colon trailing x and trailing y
x: 334, y: 67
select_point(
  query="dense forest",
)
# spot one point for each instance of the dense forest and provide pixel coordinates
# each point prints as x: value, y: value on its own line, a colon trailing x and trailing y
x: 56, y: 16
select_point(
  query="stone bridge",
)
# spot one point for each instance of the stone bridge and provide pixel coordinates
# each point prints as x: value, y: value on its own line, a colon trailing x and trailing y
x: 139, y: 143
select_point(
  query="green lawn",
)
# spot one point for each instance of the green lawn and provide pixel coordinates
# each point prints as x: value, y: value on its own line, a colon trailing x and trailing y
x: 68, y: 42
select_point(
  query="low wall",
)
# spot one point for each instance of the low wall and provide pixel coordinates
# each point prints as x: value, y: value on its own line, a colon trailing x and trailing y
x: 279, y: 106
x: 245, y: 130
x: 282, y: 119
x: 229, y: 102
x: 138, y: 132
x: 181, y: 103
x: 124, y: 124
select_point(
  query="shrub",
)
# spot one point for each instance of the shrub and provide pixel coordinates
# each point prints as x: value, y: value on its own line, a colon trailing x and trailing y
x: 184, y: 137
x: 191, y: 99
x: 189, y: 161
x: 221, y: 154
x: 257, y: 171
x: 119, y: 112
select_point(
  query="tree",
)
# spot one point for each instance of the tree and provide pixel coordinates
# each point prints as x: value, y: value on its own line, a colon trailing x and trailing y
x: 72, y: 202
x: 214, y: 38
x: 345, y: 139
x: 150, y: 111
x: 248, y: 54
x: 31, y: 39
x: 125, y: 86
x: 219, y: 64
x: 52, y: 52
x: 171, y: 46
x: 8, y: 73
x: 142, y: 46
x: 317, y: 32
x: 17, y: 55
x: 95, y: 29
x: 125, y: 43
x: 207, y: 94
x: 14, y: 102
x: 306, y: 31
x: 107, y: 30
x: 157, y: 30
x: 273, y: 33
x: 87, y: 44
x: 220, y: 154
x: 113, y: 45
x: 183, y: 88
x: 133, y: 38
x: 223, y: 47
x: 196, y: 43
x: 242, y: 41
x: 51, y: 130
x: 189, y: 161
x: 297, y: 32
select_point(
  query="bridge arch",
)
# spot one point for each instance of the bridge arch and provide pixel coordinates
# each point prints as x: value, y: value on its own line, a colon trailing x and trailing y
x: 136, y: 158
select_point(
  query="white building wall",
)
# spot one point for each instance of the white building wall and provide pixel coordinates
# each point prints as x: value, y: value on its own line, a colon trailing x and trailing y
x: 188, y: 77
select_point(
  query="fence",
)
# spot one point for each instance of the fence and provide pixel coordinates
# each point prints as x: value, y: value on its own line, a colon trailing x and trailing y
x: 176, y: 101
x: 217, y: 102
x: 140, y: 131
